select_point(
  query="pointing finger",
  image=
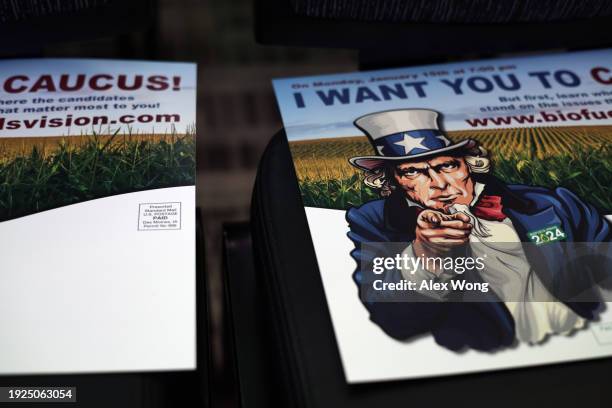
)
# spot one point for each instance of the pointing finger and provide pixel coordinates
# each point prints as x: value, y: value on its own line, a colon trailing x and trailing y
x: 457, y: 224
x: 428, y: 219
x: 432, y: 219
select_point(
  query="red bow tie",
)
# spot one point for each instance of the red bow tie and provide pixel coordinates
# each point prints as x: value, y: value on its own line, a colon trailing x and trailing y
x: 489, y: 207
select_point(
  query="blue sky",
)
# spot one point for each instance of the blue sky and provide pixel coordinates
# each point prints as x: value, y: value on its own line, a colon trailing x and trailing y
x: 319, y: 121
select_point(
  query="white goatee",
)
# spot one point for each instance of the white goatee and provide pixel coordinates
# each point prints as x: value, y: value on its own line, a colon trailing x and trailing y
x: 479, y: 230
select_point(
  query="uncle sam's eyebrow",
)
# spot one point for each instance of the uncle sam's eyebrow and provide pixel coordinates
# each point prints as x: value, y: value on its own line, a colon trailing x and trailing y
x: 424, y: 170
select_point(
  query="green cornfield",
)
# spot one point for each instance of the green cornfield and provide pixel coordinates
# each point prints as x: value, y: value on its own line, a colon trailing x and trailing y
x: 97, y: 167
x: 578, y: 158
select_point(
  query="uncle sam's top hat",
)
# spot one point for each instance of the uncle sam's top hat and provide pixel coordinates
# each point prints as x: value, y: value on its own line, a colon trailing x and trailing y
x: 403, y: 134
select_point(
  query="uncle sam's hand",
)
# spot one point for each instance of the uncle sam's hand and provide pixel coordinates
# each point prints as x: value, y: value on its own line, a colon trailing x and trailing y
x: 437, y: 233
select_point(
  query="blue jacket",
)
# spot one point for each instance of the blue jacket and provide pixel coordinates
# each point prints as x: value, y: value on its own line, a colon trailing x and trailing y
x: 485, y: 325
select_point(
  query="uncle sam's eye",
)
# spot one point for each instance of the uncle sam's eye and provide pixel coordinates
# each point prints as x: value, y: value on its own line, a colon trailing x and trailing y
x: 449, y: 166
x: 409, y: 172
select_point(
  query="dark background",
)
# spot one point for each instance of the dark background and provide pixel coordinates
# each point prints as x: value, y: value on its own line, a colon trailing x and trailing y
x: 236, y: 109
x: 237, y: 112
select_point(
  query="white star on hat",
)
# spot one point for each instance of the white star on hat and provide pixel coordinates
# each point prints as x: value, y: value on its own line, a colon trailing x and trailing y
x: 410, y: 143
x: 444, y: 139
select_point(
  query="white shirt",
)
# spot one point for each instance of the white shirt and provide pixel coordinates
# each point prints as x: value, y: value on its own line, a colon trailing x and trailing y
x: 536, y: 312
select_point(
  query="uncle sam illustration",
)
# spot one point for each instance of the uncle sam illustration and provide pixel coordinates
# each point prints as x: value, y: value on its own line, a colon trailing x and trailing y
x: 437, y: 194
